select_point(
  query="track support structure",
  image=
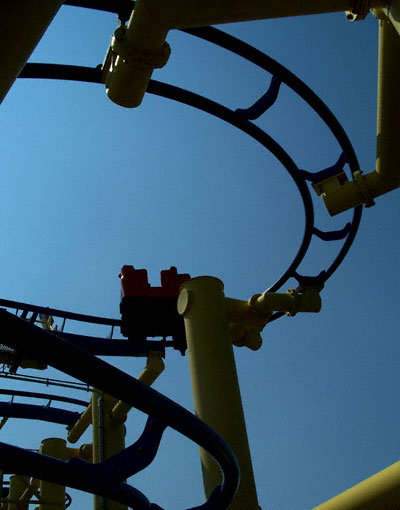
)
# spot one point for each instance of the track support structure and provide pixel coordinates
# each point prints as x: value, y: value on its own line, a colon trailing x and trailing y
x: 215, y: 385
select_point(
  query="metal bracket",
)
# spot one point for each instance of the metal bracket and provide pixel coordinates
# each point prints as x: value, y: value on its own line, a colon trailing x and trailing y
x: 130, y: 55
x: 368, y: 200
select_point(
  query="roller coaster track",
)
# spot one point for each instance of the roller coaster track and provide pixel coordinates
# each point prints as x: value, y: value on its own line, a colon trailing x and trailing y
x: 75, y: 354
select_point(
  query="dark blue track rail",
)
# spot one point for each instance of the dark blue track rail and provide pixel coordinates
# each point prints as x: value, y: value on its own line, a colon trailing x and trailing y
x: 32, y: 341
x: 108, y: 346
x: 45, y: 412
x: 239, y: 119
x: 36, y: 412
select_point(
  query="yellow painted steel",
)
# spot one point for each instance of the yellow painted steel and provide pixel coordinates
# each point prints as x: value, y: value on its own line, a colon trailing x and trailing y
x: 140, y: 48
x: 23, y: 24
x: 81, y: 425
x: 390, y: 11
x: 18, y: 485
x: 261, y: 305
x: 52, y: 495
x: 108, y: 417
x: 108, y: 439
x: 379, y: 492
x: 248, y: 318
x: 31, y: 489
x: 85, y: 452
x: 215, y: 385
x: 338, y: 193
x: 154, y: 367
x: 388, y: 126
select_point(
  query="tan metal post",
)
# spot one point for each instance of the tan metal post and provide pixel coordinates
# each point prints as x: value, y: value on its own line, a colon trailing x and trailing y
x: 108, y: 439
x: 18, y: 484
x: 52, y: 495
x: 215, y: 384
x: 76, y: 431
x: 154, y: 367
x: 388, y: 127
x: 141, y: 47
x: 23, y: 23
x: 379, y: 492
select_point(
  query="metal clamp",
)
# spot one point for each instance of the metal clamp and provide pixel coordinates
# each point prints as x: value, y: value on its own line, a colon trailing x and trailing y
x: 129, y: 54
x: 367, y: 199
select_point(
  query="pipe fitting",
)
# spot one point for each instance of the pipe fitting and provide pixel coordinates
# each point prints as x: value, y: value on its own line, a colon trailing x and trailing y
x: 130, y: 55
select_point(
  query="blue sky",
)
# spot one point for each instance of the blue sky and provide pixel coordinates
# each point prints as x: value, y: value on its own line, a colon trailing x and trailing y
x: 89, y: 186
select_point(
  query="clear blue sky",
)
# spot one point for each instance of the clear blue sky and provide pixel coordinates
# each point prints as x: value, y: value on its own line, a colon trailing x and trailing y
x: 88, y: 186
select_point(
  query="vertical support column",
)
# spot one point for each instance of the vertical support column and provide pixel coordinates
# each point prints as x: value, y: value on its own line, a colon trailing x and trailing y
x: 52, y: 495
x: 23, y: 23
x: 108, y: 439
x: 18, y: 484
x: 388, y: 125
x: 215, y: 385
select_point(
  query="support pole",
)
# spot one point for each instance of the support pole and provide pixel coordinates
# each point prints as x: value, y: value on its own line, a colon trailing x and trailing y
x: 108, y: 439
x: 76, y: 431
x: 388, y: 126
x: 52, y: 495
x: 380, y: 491
x: 18, y: 484
x: 154, y: 367
x: 23, y: 24
x: 215, y: 384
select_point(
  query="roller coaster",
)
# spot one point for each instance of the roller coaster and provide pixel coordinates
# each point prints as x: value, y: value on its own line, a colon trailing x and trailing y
x: 189, y: 315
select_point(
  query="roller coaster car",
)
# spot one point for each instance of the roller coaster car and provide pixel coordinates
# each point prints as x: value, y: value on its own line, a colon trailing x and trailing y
x: 151, y: 311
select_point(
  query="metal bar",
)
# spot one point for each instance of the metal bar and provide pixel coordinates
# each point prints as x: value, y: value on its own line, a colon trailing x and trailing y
x: 52, y: 496
x: 112, y: 441
x: 388, y: 125
x: 154, y: 367
x: 23, y: 25
x: 31, y: 490
x: 18, y: 485
x: 142, y: 47
x: 81, y: 425
x: 6, y: 303
x: 216, y: 396
x: 33, y: 394
x: 381, y: 490
x: 42, y: 413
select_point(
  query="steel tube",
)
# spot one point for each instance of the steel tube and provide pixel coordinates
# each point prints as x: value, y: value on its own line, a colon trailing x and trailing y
x: 81, y: 425
x: 388, y: 126
x: 18, y: 485
x: 23, y: 24
x: 154, y: 367
x: 381, y: 490
x: 107, y: 441
x: 151, y: 20
x: 52, y: 495
x: 215, y: 385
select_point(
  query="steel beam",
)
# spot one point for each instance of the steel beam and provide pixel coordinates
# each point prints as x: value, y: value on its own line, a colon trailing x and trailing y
x: 23, y: 24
